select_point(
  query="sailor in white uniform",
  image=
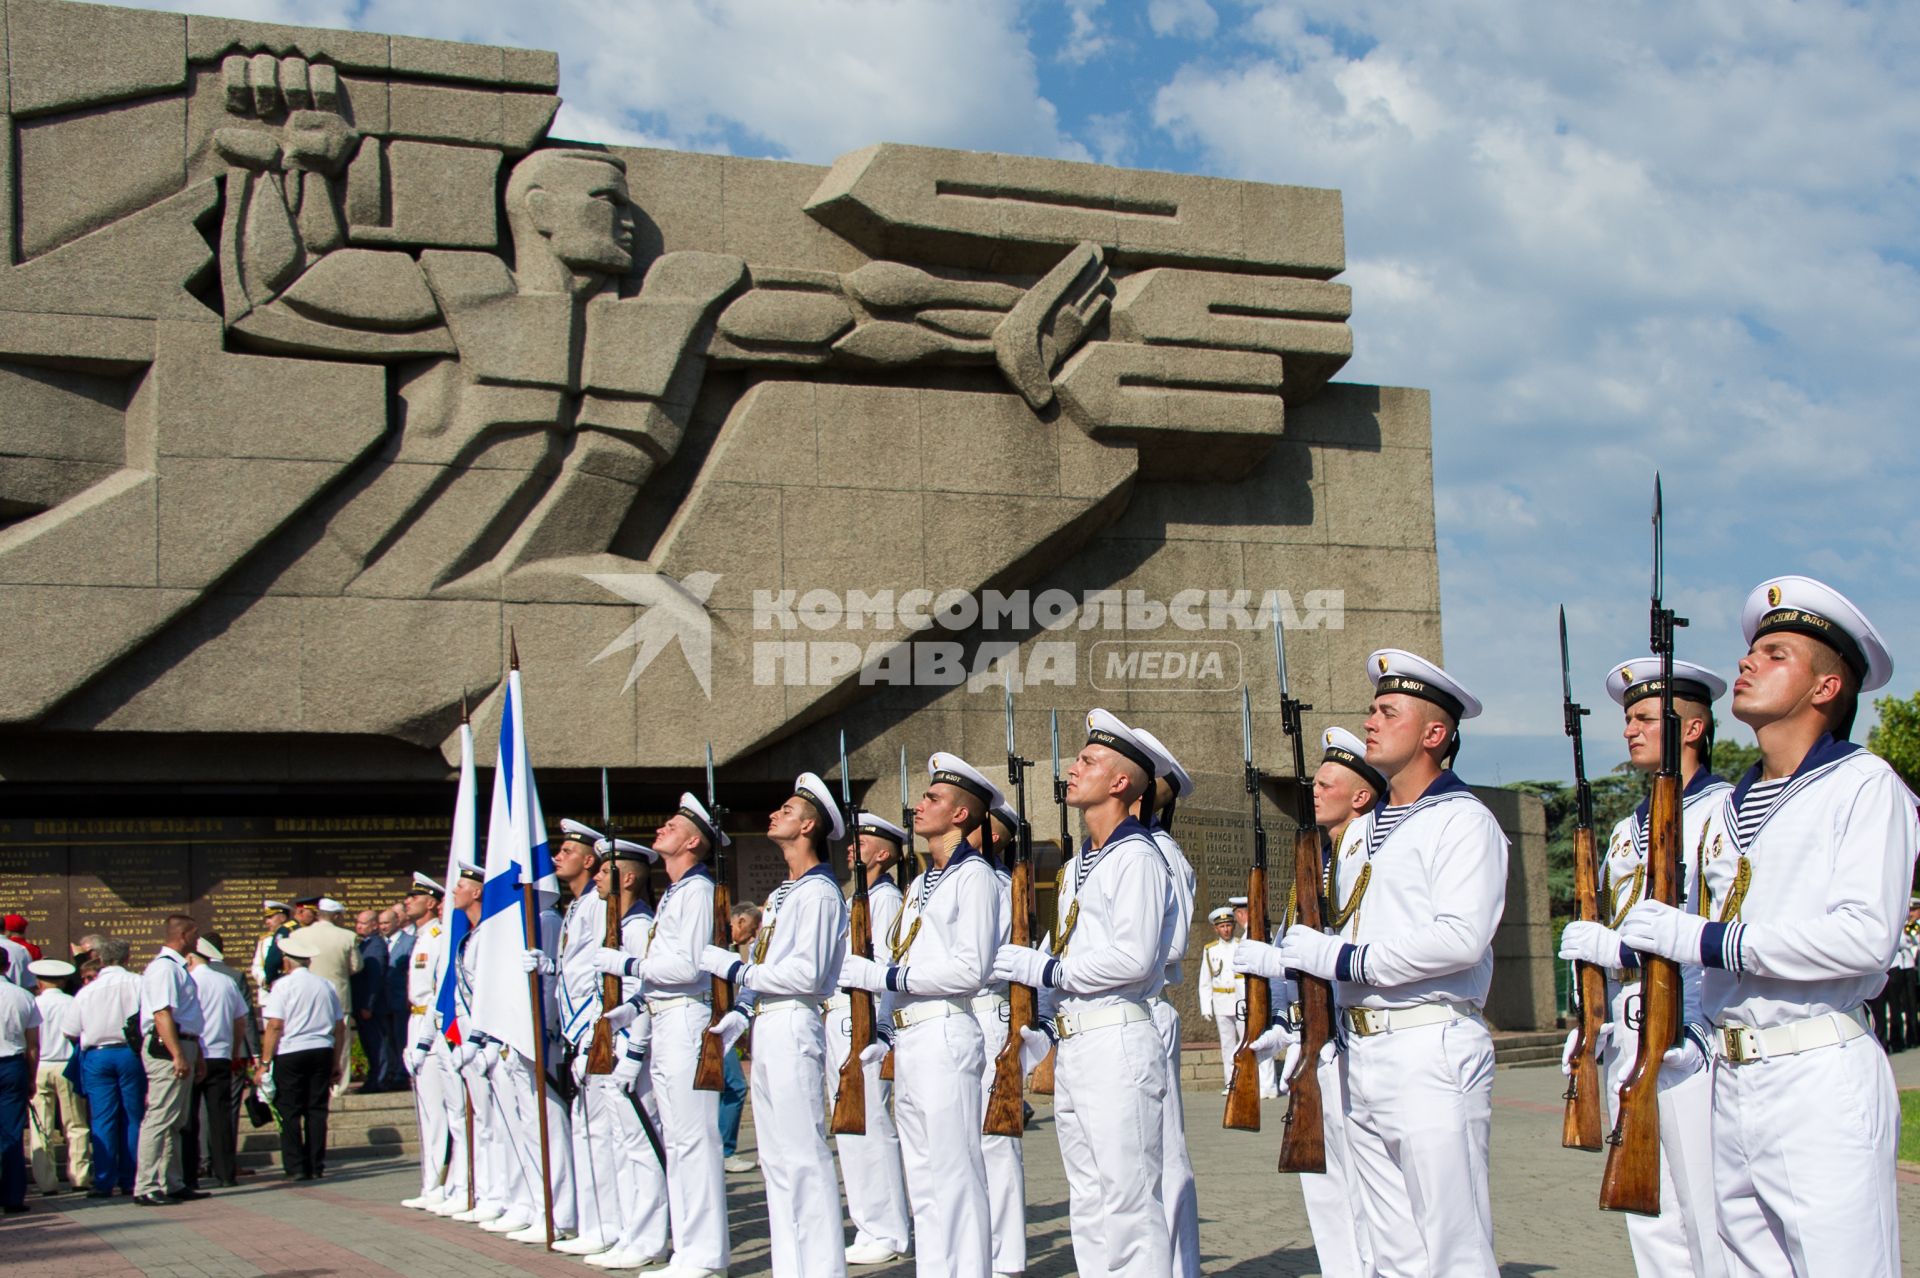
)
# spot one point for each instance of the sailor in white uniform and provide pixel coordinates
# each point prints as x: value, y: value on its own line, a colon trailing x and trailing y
x: 1221, y: 990
x: 1109, y: 962
x: 439, y: 1100
x: 1807, y: 876
x: 1005, y: 1155
x: 1682, y: 1239
x: 870, y: 1163
x: 498, y: 1191
x: 1268, y: 1070
x: 794, y: 971
x: 1413, y: 963
x: 941, y: 958
x: 519, y: 1090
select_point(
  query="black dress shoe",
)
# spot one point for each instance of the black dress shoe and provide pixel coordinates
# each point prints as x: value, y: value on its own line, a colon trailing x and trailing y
x: 305, y: 1176
x: 153, y: 1200
x: 12, y: 1210
x: 99, y: 1193
x: 188, y: 1195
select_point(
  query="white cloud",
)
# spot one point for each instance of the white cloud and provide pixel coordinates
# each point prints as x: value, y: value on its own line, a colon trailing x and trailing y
x: 1192, y: 18
x: 1086, y: 39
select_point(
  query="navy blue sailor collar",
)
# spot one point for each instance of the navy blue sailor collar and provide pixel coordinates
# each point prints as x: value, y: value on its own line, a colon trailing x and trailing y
x: 1824, y: 751
x: 1702, y: 781
x: 1448, y: 782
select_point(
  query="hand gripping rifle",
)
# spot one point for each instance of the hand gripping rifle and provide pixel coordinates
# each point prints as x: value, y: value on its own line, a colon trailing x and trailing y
x: 710, y: 1074
x: 1581, y: 1128
x: 850, y: 1105
x: 1303, y: 1144
x: 600, y: 1054
x: 1631, y: 1181
x: 1006, y: 1102
x: 1243, y: 1090
x: 1041, y: 1083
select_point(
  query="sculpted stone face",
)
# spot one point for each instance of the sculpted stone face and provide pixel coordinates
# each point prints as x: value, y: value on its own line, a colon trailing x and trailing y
x: 578, y: 204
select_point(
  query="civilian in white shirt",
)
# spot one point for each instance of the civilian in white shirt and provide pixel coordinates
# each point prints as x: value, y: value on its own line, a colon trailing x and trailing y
x: 14, y: 959
x: 57, y: 1104
x: 170, y: 1023
x: 19, y: 1058
x: 110, y: 1069
x: 223, y: 1010
x: 305, y: 1046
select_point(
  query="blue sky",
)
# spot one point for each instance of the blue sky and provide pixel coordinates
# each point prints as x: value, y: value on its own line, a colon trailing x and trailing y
x: 1609, y: 238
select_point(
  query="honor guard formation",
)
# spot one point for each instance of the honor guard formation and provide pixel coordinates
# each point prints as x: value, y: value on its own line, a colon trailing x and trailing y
x: 572, y: 1041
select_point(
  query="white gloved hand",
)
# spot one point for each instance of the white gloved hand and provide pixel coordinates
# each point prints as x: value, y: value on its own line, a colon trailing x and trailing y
x: 728, y: 1029
x: 1283, y: 1076
x: 1308, y: 949
x: 490, y: 1058
x: 536, y: 961
x: 621, y: 1016
x: 875, y: 1052
x: 858, y: 972
x: 1257, y: 958
x: 718, y: 961
x: 626, y: 1070
x: 465, y: 1055
x: 1573, y: 1041
x: 1584, y: 942
x: 1034, y: 1046
x: 1654, y: 928
x: 413, y: 1058
x: 1269, y: 1044
x: 1684, y: 1059
x: 1022, y: 965
x: 579, y: 1069
x: 611, y: 961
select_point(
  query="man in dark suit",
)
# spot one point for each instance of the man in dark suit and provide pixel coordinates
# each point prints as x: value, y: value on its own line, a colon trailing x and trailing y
x: 399, y: 942
x: 369, y: 989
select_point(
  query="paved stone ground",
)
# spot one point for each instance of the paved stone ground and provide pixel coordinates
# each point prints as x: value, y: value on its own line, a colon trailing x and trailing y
x: 1252, y: 1223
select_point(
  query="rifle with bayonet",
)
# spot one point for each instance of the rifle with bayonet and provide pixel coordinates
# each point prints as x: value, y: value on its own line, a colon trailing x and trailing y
x: 710, y: 1075
x: 1303, y: 1143
x: 1006, y: 1101
x: 1631, y: 1181
x: 850, y: 1105
x: 1243, y: 1089
x: 600, y: 1054
x: 906, y: 878
x: 1581, y: 1127
x: 1041, y: 1083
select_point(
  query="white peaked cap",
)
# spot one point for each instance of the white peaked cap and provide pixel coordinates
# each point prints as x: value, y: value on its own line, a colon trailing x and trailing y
x: 695, y: 811
x: 626, y: 850
x: 1397, y: 670
x: 951, y: 769
x: 810, y: 787
x: 581, y: 832
x: 874, y: 823
x: 1221, y: 915
x: 1639, y: 678
x: 1809, y: 607
x: 1165, y: 765
x: 1105, y: 728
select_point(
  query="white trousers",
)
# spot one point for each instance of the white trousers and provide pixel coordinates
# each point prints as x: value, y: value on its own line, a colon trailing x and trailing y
x: 1420, y: 1102
x: 514, y: 1090
x: 430, y: 1087
x: 1228, y: 1025
x: 1682, y: 1239
x: 1333, y: 1197
x: 643, y: 1182
x: 690, y: 1128
x: 1005, y: 1156
x: 1110, y: 1085
x: 939, y: 1117
x: 1803, y: 1163
x: 496, y: 1169
x: 597, y: 1157
x: 1177, y: 1191
x: 790, y: 1121
x: 870, y: 1164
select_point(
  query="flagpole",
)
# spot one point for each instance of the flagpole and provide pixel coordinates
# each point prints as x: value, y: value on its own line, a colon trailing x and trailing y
x: 472, y: 1192
x: 529, y: 916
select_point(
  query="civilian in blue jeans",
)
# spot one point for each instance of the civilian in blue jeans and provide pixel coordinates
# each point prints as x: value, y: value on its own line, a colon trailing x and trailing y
x: 111, y: 1072
x: 733, y: 1099
x: 19, y: 1064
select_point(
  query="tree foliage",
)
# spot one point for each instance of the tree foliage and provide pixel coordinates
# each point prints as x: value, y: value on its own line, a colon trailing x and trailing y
x: 1896, y: 738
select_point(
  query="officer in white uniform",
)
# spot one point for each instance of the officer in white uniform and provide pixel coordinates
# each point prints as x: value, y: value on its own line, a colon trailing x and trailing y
x: 496, y: 1171
x: 637, y: 1231
x: 678, y: 1001
x: 870, y: 1163
x: 1413, y: 963
x: 1219, y: 990
x: 1682, y: 1239
x: 1807, y: 876
x: 794, y: 971
x: 1110, y: 1075
x: 438, y: 1098
x: 941, y: 959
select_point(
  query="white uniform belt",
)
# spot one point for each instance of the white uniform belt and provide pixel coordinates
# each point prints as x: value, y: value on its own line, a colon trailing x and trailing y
x: 787, y: 1003
x: 989, y: 1003
x: 1368, y: 1021
x: 658, y: 1005
x: 841, y: 1002
x: 930, y: 1010
x: 1070, y: 1023
x: 1740, y: 1044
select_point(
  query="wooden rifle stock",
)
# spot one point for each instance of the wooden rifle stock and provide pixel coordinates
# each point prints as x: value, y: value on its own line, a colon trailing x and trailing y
x: 1303, y: 1145
x: 1243, y: 1091
x: 1583, y: 1126
x: 1006, y: 1102
x: 710, y: 1075
x: 1631, y: 1181
x: 600, y: 1054
x: 850, y: 1104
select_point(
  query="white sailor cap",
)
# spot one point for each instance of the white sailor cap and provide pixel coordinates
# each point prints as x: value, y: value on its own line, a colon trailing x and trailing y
x: 951, y: 769
x: 1639, y: 678
x: 695, y: 811
x: 297, y: 944
x: 209, y: 951
x: 1003, y: 813
x: 581, y: 832
x: 1165, y: 765
x: 327, y: 905
x: 51, y: 969
x: 1105, y: 728
x: 810, y: 787
x: 1337, y: 745
x: 874, y: 823
x: 269, y: 907
x: 1237, y: 902
x: 1808, y: 607
x: 1397, y: 670
x: 471, y: 872
x: 625, y: 850
x: 1224, y: 914
x: 424, y: 886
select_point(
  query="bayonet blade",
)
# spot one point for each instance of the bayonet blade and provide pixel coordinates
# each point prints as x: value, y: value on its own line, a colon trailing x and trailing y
x: 846, y: 777
x: 1279, y: 652
x: 606, y: 807
x: 710, y: 794
x: 1566, y: 664
x: 904, y: 805
x: 1053, y: 726
x: 1009, y: 689
x: 1246, y: 725
x: 1659, y: 548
